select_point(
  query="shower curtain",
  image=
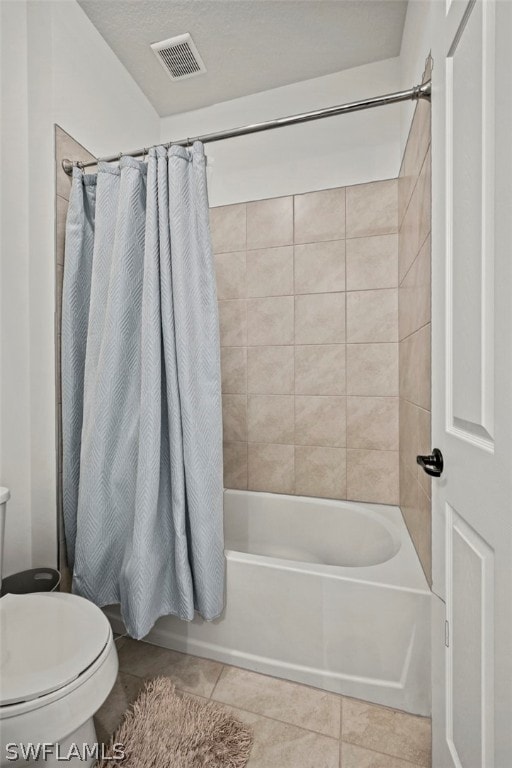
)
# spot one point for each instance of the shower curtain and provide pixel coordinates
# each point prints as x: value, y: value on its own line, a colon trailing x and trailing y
x: 141, y: 402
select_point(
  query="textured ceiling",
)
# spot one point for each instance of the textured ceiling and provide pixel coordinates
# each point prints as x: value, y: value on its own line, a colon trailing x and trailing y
x: 247, y: 45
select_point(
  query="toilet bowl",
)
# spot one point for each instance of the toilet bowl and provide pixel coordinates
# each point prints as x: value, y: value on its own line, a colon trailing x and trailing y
x: 58, y: 663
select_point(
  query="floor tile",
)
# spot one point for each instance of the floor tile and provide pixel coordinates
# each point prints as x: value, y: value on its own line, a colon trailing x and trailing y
x: 291, y: 703
x: 109, y: 715
x: 279, y: 745
x: 119, y: 640
x: 189, y: 673
x: 386, y: 730
x: 357, y: 757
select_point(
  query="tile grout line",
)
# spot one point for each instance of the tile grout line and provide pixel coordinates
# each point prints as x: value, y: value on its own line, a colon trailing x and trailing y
x: 276, y: 719
x: 222, y: 668
x: 417, y: 176
x: 416, y: 330
x: 418, y: 252
x: 385, y: 754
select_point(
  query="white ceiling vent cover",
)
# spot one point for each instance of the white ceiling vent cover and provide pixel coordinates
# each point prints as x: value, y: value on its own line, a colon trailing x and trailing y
x: 179, y: 57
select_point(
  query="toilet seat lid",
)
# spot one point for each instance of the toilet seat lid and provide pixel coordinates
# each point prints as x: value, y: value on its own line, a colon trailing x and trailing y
x: 46, y: 641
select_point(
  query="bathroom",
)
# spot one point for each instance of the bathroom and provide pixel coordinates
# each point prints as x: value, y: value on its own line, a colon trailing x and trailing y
x: 357, y: 275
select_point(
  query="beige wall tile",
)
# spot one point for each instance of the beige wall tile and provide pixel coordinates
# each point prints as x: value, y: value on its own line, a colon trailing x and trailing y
x: 416, y: 510
x: 408, y: 494
x: 59, y: 284
x: 414, y: 294
x: 233, y: 323
x: 270, y: 222
x: 235, y: 465
x: 270, y: 370
x: 415, y: 368
x: 234, y: 418
x: 320, y: 267
x: 270, y: 419
x: 228, y: 228
x: 415, y: 151
x: 271, y: 468
x: 60, y: 228
x: 424, y: 447
x: 234, y: 370
x: 372, y: 209
x: 320, y: 369
x: 372, y: 316
x: 414, y: 331
x: 372, y: 476
x: 422, y: 538
x: 320, y: 318
x: 230, y: 275
x: 270, y: 321
x: 387, y: 731
x: 270, y: 272
x: 67, y: 147
x: 408, y: 376
x: 320, y: 421
x: 416, y: 224
x: 58, y: 393
x: 409, y: 435
x: 405, y: 188
x: 372, y: 369
x: 372, y: 262
x: 372, y: 422
x: 320, y: 472
x: 320, y: 216
x: 288, y: 351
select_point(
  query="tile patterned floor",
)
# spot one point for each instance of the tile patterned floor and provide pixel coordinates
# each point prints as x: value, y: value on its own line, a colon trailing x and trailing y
x: 294, y: 726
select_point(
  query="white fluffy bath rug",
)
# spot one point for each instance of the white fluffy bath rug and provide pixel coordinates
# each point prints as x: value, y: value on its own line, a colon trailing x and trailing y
x: 166, y: 729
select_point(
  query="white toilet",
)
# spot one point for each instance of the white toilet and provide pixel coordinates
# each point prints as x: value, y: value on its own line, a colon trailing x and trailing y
x: 58, y: 663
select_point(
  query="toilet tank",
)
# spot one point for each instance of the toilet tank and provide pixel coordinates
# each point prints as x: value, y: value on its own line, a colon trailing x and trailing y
x: 4, y: 498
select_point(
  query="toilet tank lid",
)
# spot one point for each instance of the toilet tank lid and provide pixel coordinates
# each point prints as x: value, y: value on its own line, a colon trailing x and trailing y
x: 46, y: 641
x: 5, y: 494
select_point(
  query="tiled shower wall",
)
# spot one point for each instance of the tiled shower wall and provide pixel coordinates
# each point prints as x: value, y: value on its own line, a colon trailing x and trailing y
x: 414, y: 330
x: 308, y: 303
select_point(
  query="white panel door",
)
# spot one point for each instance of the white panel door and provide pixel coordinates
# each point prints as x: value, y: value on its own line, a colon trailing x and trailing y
x: 472, y: 382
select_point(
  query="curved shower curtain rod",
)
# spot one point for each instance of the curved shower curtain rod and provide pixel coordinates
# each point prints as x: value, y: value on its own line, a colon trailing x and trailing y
x: 416, y: 93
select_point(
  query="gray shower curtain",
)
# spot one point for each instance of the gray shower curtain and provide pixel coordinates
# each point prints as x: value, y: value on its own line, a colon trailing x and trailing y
x: 141, y: 403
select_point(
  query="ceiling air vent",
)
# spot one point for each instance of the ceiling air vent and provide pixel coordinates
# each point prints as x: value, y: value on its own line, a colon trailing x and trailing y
x: 179, y: 57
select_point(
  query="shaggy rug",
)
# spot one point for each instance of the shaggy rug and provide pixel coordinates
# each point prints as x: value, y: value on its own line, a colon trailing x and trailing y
x: 167, y: 729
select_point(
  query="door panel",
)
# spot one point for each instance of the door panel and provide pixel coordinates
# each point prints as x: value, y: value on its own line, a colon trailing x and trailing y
x: 470, y: 218
x: 472, y: 383
x: 470, y: 652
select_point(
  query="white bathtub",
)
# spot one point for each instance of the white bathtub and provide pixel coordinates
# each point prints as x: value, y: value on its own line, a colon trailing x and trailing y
x: 329, y: 593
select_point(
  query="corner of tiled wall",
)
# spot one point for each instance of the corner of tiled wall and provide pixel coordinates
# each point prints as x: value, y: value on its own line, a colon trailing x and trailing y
x: 414, y: 196
x: 65, y: 147
x: 308, y: 304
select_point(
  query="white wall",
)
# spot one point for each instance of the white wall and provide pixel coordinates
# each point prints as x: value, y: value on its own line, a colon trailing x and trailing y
x: 57, y: 64
x: 416, y: 45
x: 14, y: 269
x: 332, y: 152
